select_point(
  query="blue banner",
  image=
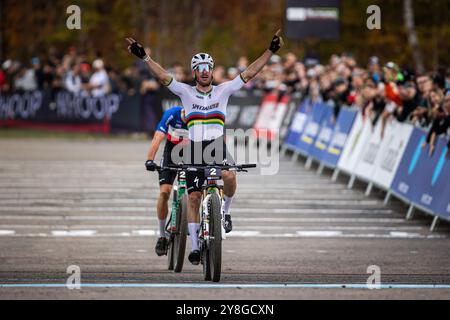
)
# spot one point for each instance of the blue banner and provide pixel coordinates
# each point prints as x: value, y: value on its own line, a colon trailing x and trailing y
x: 325, y: 134
x: 433, y: 178
x: 406, y: 178
x: 443, y: 207
x: 312, y: 127
x: 340, y: 131
x: 298, y: 124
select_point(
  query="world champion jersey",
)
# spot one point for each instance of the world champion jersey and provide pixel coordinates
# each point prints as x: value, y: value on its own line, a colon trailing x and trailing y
x: 173, y: 125
x: 205, y: 112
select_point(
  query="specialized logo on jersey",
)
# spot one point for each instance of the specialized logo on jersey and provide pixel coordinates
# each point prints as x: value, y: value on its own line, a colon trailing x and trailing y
x: 213, y: 117
x: 203, y: 108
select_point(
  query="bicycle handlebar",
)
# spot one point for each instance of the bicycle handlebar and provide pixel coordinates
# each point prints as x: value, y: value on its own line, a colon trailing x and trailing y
x: 189, y: 167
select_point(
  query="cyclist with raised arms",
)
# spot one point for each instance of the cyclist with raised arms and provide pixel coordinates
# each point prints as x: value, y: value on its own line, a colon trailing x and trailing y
x: 205, y: 109
x: 173, y: 126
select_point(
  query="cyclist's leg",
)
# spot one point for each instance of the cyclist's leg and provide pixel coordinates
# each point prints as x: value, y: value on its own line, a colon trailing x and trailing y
x: 162, y: 207
x: 229, y: 188
x: 166, y: 179
x: 194, y: 182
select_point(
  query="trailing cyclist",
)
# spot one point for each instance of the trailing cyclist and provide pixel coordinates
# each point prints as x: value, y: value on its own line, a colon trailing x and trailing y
x: 173, y: 126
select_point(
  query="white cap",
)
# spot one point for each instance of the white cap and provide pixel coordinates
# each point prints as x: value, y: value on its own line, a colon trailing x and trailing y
x: 7, y: 64
x: 98, y: 64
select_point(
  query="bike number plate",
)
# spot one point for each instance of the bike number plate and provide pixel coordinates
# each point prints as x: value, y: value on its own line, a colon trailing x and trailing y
x: 213, y: 174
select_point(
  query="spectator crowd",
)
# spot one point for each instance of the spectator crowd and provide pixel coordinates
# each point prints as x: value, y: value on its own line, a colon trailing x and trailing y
x: 382, y: 91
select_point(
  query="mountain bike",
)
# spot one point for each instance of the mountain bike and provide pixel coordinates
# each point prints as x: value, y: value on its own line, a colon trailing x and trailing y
x: 177, y: 227
x: 212, y: 221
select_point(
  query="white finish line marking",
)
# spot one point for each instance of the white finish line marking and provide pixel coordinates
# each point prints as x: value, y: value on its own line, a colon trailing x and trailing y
x: 7, y: 232
x: 240, y: 233
x: 229, y: 286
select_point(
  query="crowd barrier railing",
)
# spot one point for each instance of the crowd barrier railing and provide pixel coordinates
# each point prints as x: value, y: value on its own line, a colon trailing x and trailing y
x: 398, y: 163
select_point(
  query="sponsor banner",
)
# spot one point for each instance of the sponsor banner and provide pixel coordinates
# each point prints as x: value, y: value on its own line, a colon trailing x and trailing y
x: 318, y: 19
x: 365, y: 167
x: 243, y: 108
x: 298, y: 124
x: 409, y: 169
x: 132, y: 116
x: 167, y: 99
x: 395, y: 140
x: 312, y: 127
x: 63, y: 107
x: 356, y: 141
x: 431, y: 178
x: 271, y: 115
x: 442, y: 207
x: 294, y: 101
x: 330, y: 156
x: 326, y: 127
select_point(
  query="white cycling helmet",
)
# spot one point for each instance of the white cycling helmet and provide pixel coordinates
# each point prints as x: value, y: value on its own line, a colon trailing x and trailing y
x: 200, y: 58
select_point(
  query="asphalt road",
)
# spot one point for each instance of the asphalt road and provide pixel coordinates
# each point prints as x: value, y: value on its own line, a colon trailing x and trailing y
x: 296, y: 235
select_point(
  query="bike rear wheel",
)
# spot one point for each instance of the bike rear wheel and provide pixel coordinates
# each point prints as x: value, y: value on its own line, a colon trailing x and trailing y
x: 181, y: 234
x: 215, y: 231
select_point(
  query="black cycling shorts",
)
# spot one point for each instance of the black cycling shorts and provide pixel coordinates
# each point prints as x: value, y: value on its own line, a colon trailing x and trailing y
x: 166, y: 176
x: 203, y: 153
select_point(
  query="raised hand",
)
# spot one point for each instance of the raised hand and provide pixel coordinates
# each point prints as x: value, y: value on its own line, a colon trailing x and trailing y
x: 136, y: 48
x: 277, y: 42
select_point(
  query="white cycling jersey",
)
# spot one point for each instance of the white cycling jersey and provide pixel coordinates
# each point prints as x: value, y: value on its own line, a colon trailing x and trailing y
x: 205, y: 112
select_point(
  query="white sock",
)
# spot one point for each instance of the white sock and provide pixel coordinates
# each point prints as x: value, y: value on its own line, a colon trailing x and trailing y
x: 193, y: 234
x: 227, y: 203
x: 162, y: 227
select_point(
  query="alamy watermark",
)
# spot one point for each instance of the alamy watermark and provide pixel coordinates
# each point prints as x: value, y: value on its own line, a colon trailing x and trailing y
x: 74, y: 280
x: 374, y: 280
x: 374, y: 20
x: 73, y: 22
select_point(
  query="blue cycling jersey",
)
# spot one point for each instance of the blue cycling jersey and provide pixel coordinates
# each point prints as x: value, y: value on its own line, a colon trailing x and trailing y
x: 173, y: 125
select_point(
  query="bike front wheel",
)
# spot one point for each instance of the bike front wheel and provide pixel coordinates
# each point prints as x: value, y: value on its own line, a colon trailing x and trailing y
x: 215, y: 232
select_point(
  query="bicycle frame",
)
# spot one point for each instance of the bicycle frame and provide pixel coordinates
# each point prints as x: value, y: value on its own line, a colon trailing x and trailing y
x: 181, y: 190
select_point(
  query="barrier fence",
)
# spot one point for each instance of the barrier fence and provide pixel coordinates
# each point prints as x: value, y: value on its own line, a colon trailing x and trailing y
x: 398, y: 163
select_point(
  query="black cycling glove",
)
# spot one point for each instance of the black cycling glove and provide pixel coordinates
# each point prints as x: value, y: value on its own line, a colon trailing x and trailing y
x: 138, y: 50
x: 150, y: 165
x: 275, y: 45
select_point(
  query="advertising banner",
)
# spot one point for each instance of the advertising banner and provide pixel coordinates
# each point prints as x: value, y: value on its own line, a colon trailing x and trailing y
x: 271, y: 115
x: 394, y: 144
x: 318, y: 19
x: 298, y: 124
x: 365, y: 167
x: 326, y: 127
x: 431, y: 177
x: 330, y: 156
x: 312, y: 127
x: 356, y: 141
x: 409, y: 170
